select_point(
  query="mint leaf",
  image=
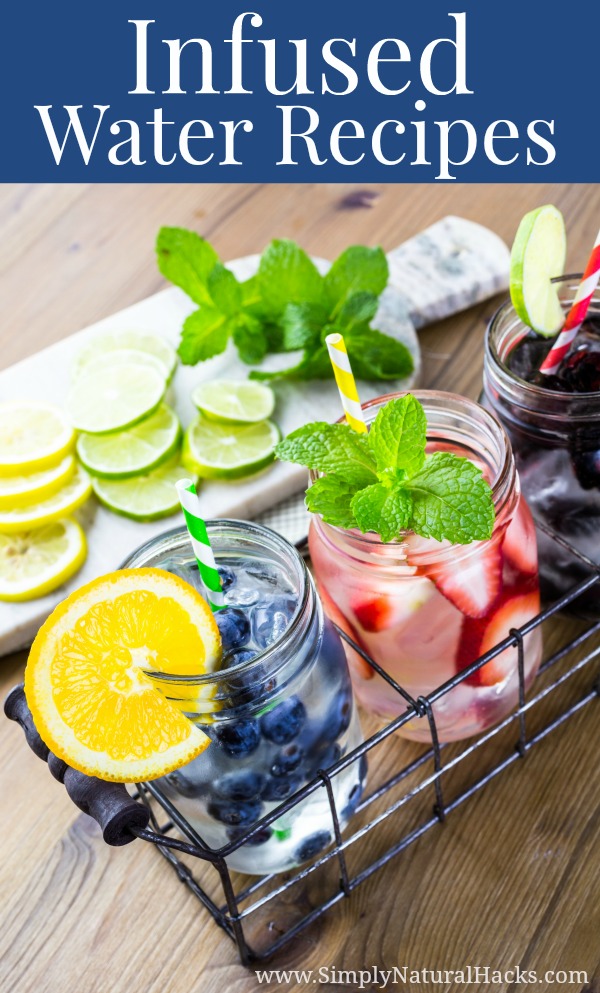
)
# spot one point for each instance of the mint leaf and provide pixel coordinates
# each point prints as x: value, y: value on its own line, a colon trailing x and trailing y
x: 331, y: 496
x: 250, y: 339
x: 360, y: 308
x: 204, y: 334
x: 301, y: 325
x: 451, y: 500
x: 356, y: 270
x: 330, y: 448
x: 186, y: 260
x: 314, y: 365
x: 398, y: 436
x: 386, y: 511
x: 377, y: 356
x: 225, y: 290
x: 287, y: 275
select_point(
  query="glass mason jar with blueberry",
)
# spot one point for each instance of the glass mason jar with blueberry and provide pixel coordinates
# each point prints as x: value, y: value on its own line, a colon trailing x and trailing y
x: 554, y: 426
x: 279, y: 709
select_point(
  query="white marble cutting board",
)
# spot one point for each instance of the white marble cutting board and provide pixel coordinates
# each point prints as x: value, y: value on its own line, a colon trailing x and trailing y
x: 46, y: 376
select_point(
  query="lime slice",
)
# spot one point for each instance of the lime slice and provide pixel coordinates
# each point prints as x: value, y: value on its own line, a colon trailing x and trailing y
x: 60, y: 504
x: 33, y: 563
x: 137, y: 449
x: 114, y: 398
x: 19, y: 491
x: 140, y: 341
x: 217, y: 451
x: 120, y: 356
x: 33, y: 436
x: 538, y: 254
x: 145, y: 497
x: 231, y: 402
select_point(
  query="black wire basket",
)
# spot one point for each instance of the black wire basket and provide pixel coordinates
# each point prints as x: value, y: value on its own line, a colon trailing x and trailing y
x: 408, y: 799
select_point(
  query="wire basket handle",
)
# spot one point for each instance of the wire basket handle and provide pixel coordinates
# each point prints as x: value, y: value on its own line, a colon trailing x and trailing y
x: 117, y: 813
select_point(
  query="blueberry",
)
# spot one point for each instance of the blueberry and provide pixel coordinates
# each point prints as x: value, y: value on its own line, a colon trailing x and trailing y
x: 271, y: 619
x: 353, y: 801
x: 239, y: 785
x: 586, y: 465
x: 339, y: 715
x: 280, y: 789
x: 241, y: 738
x: 287, y: 760
x: 227, y: 577
x: 234, y: 626
x: 312, y: 845
x: 244, y: 812
x: 238, y: 656
x: 261, y: 836
x: 330, y: 756
x: 283, y: 722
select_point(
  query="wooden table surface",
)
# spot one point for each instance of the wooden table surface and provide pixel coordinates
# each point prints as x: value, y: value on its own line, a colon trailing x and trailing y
x: 511, y: 880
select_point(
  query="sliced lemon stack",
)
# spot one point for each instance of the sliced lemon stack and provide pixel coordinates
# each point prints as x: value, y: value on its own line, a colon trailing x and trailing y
x: 40, y: 485
x: 86, y: 679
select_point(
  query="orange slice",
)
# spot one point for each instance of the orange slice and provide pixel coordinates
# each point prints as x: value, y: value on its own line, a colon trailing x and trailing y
x: 85, y: 683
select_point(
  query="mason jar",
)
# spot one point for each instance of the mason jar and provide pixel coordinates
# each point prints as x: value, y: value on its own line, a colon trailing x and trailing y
x: 424, y: 609
x: 274, y: 720
x: 555, y: 438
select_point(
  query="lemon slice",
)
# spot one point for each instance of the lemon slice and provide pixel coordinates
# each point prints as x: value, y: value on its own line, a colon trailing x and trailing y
x: 85, y: 679
x: 538, y: 254
x: 114, y: 398
x: 19, y: 491
x: 33, y: 436
x: 145, y: 497
x: 219, y: 451
x: 136, y: 449
x: 139, y: 341
x: 68, y: 499
x: 33, y: 563
x: 232, y: 402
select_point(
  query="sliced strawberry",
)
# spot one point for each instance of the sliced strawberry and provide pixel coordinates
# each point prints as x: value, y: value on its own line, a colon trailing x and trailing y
x: 355, y: 661
x: 520, y: 545
x: 471, y: 579
x: 513, y: 612
x: 469, y: 647
x: 374, y: 614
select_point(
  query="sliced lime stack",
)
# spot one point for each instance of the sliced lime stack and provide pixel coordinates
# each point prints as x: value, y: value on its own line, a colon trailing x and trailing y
x: 114, y: 397
x: 221, y: 451
x: 131, y: 341
x: 538, y: 254
x: 145, y: 497
x: 230, y: 402
x: 129, y: 439
x: 136, y: 449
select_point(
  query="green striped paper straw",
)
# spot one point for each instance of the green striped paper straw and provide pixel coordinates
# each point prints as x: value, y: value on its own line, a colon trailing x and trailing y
x: 205, y: 558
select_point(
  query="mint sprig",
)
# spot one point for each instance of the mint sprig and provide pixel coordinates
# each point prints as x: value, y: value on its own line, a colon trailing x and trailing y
x: 287, y: 306
x: 385, y: 482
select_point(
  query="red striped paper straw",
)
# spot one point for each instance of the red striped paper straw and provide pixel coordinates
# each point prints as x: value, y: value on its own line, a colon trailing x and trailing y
x: 576, y: 315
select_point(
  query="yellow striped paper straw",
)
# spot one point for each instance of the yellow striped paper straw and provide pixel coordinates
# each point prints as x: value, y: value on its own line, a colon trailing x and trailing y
x: 344, y: 378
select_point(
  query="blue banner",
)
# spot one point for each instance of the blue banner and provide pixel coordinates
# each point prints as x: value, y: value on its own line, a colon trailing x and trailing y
x: 322, y: 91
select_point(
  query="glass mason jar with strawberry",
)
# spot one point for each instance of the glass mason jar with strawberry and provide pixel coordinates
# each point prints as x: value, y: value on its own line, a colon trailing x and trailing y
x: 424, y: 551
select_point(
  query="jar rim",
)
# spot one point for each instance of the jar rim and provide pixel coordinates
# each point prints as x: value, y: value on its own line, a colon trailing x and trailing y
x: 505, y: 475
x: 175, y: 537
